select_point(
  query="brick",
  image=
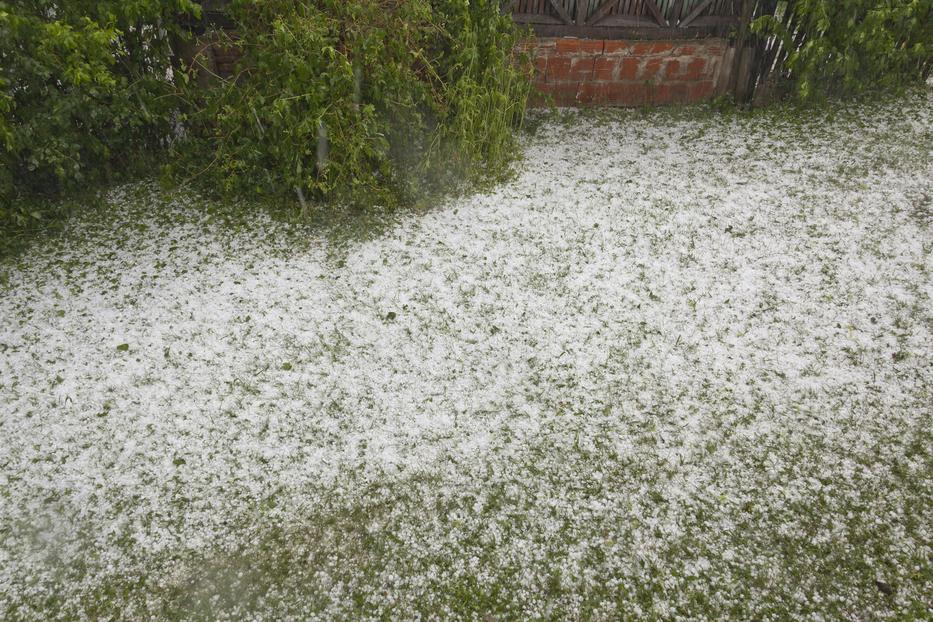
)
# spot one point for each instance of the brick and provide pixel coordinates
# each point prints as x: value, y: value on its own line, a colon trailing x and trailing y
x: 582, y: 68
x: 647, y: 48
x: 660, y: 94
x: 616, y: 47
x: 567, y: 46
x: 628, y: 70
x: 681, y: 92
x: 631, y: 94
x: 541, y: 66
x: 606, y: 68
x: 558, y: 69
x: 695, y: 69
x: 579, y: 46
x: 612, y: 94
x: 642, y: 49
x: 566, y: 69
x: 571, y: 72
x: 701, y: 91
x: 651, y: 69
x: 670, y: 93
x: 596, y: 93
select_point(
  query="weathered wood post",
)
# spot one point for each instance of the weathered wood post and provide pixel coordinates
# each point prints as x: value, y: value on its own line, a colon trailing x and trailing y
x: 741, y: 65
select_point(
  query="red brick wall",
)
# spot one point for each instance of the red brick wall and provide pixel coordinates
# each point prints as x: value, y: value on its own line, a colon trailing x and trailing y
x: 577, y: 72
x: 597, y: 72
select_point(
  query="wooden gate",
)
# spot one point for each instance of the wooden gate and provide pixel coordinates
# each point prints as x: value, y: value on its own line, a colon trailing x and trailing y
x: 645, y: 19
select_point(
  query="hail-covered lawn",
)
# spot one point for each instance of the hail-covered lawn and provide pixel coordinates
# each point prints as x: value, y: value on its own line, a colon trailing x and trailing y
x: 681, y: 367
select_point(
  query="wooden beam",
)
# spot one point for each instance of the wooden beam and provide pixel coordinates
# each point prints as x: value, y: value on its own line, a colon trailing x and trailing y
x: 715, y: 21
x: 695, y: 13
x: 652, y: 32
x: 561, y: 11
x: 508, y: 6
x: 599, y: 13
x: 537, y: 18
x: 628, y: 21
x: 656, y: 12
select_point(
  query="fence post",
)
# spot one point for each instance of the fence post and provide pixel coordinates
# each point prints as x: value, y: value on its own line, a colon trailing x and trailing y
x: 739, y: 63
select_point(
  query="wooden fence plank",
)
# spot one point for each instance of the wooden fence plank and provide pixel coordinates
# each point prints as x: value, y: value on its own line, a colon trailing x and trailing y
x: 580, y: 16
x: 695, y: 13
x: 601, y: 11
x: 676, y: 11
x: 710, y: 15
x: 538, y: 18
x: 561, y: 11
x: 656, y: 12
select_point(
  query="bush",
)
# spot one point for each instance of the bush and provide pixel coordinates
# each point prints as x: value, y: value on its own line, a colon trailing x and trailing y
x: 833, y: 48
x: 82, y: 92
x: 359, y: 101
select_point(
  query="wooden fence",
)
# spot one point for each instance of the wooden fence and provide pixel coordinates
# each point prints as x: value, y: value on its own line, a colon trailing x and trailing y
x: 752, y: 62
x: 600, y: 19
x: 637, y: 19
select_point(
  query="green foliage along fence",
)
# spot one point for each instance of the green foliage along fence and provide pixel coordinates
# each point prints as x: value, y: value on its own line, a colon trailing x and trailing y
x: 819, y: 48
x: 812, y: 48
x: 408, y: 94
x: 404, y: 90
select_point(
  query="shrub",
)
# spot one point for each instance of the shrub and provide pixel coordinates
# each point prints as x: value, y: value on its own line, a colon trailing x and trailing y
x: 82, y: 92
x: 833, y: 48
x: 360, y: 101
